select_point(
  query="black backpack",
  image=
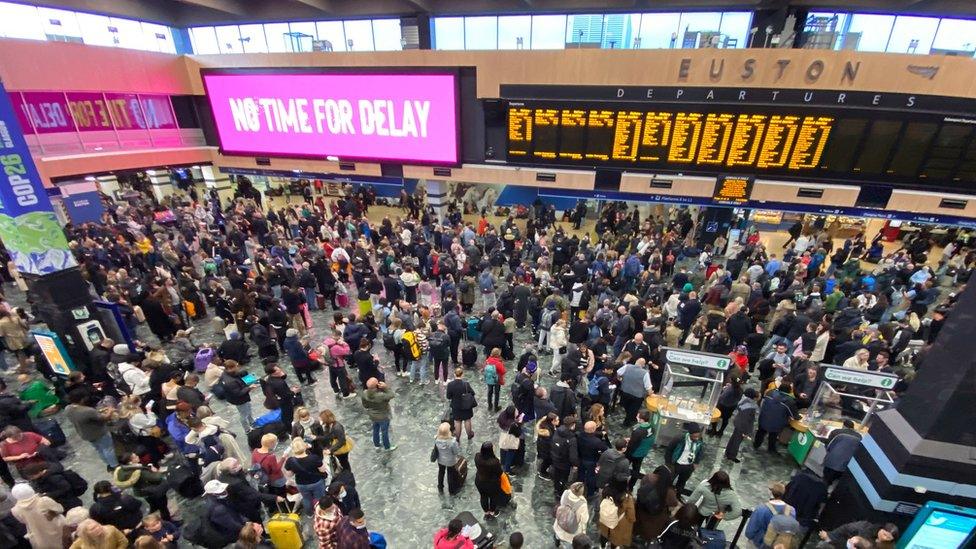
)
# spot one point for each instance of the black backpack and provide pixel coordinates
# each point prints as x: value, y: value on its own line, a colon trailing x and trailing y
x: 469, y: 356
x: 389, y: 343
x: 78, y: 485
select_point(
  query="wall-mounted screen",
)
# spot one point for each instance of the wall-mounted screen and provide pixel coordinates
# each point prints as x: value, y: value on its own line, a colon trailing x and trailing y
x: 400, y: 117
x: 838, y: 143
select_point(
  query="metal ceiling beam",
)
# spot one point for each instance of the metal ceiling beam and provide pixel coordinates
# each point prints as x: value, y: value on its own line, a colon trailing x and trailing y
x: 325, y: 6
x: 230, y: 7
x: 421, y: 5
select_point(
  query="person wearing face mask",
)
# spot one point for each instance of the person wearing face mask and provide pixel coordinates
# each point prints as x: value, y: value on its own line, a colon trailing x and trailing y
x: 352, y: 531
x: 326, y: 522
x: 224, y: 522
x: 343, y: 493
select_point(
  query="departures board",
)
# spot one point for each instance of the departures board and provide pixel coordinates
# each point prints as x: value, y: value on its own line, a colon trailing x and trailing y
x: 842, y: 144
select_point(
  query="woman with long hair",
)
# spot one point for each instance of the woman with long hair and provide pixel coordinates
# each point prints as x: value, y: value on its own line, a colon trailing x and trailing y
x: 451, y: 537
x: 309, y: 473
x: 332, y: 436
x: 93, y: 535
x: 488, y: 480
x: 656, y: 498
x: 448, y: 452
x: 510, y: 436
x: 716, y: 500
x: 616, y: 516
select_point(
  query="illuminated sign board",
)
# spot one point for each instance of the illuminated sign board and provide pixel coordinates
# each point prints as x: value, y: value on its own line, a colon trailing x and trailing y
x: 53, y: 351
x: 733, y: 189
x: 408, y: 117
x: 767, y: 139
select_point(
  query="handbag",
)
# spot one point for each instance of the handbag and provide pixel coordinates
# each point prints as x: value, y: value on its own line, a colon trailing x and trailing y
x: 433, y: 454
x: 468, y: 399
x: 506, y: 484
x: 345, y: 448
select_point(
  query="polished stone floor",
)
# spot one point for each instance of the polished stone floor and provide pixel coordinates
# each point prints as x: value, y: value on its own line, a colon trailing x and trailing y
x: 399, y: 489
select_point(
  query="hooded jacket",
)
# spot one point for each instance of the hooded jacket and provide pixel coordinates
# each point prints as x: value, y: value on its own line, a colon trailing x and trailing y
x: 565, y: 449
x: 745, y: 415
x: 613, y: 465
x: 582, y: 516
x: 776, y: 411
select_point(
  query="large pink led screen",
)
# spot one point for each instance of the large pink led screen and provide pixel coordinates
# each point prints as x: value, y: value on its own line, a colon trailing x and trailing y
x: 395, y: 117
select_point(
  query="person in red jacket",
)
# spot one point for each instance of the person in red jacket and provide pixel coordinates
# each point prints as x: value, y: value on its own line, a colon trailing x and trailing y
x: 451, y: 537
x: 494, y: 372
x: 740, y: 358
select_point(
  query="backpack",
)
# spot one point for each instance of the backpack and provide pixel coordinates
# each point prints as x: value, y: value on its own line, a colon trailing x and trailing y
x: 198, y: 529
x: 410, y: 345
x: 491, y: 374
x: 593, y: 389
x: 389, y: 343
x: 218, y: 390
x: 485, y: 283
x: 120, y: 383
x: 202, y: 360
x: 608, y: 513
x: 566, y: 518
x: 78, y: 485
x: 773, y: 535
x: 463, y: 286
x: 547, y: 319
x: 469, y: 355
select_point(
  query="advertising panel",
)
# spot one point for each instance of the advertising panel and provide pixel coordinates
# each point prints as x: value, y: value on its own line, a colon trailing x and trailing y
x: 89, y: 111
x: 48, y: 112
x: 396, y: 117
x: 28, y: 227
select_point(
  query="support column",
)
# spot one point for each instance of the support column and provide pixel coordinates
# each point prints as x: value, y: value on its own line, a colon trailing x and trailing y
x: 215, y: 180
x: 922, y: 450
x: 161, y: 184
x: 437, y: 197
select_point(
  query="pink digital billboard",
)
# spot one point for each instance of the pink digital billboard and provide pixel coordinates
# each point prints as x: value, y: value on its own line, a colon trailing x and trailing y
x: 393, y: 117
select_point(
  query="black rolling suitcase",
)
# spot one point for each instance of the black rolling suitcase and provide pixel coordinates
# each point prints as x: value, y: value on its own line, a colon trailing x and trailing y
x: 456, y: 476
x: 481, y: 537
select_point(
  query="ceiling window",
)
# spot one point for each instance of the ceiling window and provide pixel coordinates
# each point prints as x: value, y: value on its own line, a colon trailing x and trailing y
x: 359, y: 35
x: 448, y: 33
x: 302, y: 35
x: 20, y: 21
x: 387, y: 35
x: 481, y: 33
x: 158, y: 38
x: 913, y: 35
x: 869, y: 32
x: 127, y: 33
x: 955, y: 36
x: 95, y: 30
x: 204, y: 40
x: 659, y: 30
x: 735, y: 28
x: 252, y: 39
x: 278, y: 39
x: 229, y: 39
x: 514, y: 32
x: 699, y: 30
x: 59, y: 25
x: 548, y: 32
x: 333, y: 33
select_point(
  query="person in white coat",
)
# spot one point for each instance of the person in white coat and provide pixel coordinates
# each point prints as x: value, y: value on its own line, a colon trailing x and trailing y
x: 573, y: 498
x: 40, y: 514
x: 558, y: 340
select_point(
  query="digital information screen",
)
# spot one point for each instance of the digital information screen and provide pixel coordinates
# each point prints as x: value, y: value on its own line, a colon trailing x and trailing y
x: 733, y: 189
x: 826, y: 142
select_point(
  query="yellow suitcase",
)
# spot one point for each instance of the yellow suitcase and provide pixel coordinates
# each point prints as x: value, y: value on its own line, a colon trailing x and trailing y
x: 285, y: 529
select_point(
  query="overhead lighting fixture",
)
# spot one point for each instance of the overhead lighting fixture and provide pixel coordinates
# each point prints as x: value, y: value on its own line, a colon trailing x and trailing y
x: 332, y: 158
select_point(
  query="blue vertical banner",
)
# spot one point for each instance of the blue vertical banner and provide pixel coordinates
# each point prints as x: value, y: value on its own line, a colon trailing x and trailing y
x: 28, y: 227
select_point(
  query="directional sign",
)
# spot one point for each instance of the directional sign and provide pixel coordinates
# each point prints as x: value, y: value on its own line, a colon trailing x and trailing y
x: 861, y: 377
x: 698, y: 359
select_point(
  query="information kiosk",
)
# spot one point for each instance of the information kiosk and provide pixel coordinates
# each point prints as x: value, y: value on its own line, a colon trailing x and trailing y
x: 690, y: 388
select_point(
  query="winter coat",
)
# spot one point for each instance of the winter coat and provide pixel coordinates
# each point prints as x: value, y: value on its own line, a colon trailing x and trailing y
x: 745, y: 415
x: 709, y: 502
x: 612, y: 466
x: 448, y: 451
x: 622, y: 535
x: 776, y: 411
x: 42, y: 532
x: 582, y: 516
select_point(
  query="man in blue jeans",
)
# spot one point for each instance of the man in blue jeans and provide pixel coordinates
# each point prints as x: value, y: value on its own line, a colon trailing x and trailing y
x: 376, y: 399
x: 92, y: 426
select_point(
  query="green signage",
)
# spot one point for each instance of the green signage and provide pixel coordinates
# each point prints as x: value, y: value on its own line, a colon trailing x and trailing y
x: 861, y: 377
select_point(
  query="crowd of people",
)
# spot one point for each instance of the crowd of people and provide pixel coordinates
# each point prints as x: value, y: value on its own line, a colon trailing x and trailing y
x: 431, y: 298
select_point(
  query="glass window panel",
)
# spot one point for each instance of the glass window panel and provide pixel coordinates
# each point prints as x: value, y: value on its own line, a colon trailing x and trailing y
x: 955, y: 35
x: 619, y: 30
x: 913, y: 34
x: 277, y: 36
x: 302, y: 35
x: 548, y: 32
x: 94, y: 30
x: 361, y: 34
x: 584, y: 29
x: 735, y: 29
x: 825, y: 30
x: 252, y: 39
x: 869, y: 32
x: 658, y: 30
x: 513, y: 32
x: 448, y: 33
x: 20, y: 21
x: 203, y: 40
x: 481, y: 33
x: 128, y: 34
x: 333, y: 32
x: 386, y: 34
x: 631, y: 30
x: 158, y: 38
x: 229, y: 39
x: 697, y: 30
x: 59, y: 25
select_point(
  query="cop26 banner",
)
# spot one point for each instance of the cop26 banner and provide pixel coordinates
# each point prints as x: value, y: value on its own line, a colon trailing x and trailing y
x: 28, y: 228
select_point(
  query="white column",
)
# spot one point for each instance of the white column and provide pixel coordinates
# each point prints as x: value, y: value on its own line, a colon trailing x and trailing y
x: 160, y: 183
x: 214, y: 179
x: 437, y: 196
